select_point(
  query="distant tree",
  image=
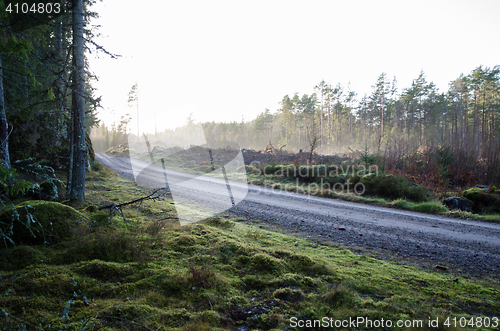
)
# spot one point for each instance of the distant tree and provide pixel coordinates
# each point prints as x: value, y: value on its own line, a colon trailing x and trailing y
x: 378, y: 104
x: 349, y: 99
x: 322, y: 88
x: 133, y: 100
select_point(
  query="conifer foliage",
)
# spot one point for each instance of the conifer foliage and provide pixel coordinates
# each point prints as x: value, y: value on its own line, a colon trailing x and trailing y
x: 47, y: 106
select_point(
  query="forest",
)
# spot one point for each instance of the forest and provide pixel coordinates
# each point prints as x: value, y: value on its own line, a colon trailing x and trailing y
x: 454, y: 132
x: 85, y: 248
x: 47, y: 103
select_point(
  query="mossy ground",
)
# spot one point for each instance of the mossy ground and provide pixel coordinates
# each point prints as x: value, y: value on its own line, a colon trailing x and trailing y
x: 218, y: 274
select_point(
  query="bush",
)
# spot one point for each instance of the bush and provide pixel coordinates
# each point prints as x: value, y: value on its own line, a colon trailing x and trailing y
x: 393, y: 187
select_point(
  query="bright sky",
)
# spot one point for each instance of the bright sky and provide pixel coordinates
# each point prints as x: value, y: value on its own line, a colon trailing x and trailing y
x: 222, y: 60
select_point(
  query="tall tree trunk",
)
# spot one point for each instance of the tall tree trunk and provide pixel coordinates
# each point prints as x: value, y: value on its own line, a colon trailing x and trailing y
x: 4, y: 126
x: 350, y: 127
x: 396, y: 119
x: 484, y: 124
x: 474, y: 130
x: 77, y: 191
x: 383, y: 119
x: 71, y: 129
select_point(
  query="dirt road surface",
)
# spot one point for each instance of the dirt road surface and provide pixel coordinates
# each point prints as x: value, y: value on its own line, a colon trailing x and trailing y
x: 459, y: 245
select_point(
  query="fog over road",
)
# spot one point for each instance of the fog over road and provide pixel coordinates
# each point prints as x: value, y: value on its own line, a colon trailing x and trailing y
x: 470, y: 246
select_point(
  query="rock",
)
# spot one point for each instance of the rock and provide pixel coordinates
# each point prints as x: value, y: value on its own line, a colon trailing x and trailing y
x: 440, y: 267
x: 49, y: 221
x: 342, y: 228
x: 484, y: 187
x: 458, y: 203
x: 484, y: 201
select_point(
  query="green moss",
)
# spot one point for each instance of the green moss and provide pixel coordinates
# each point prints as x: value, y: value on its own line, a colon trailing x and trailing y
x: 104, y: 271
x: 340, y: 296
x: 288, y: 279
x: 429, y: 207
x: 300, y: 262
x: 42, y: 222
x: 289, y: 294
x: 20, y: 257
x: 218, y: 222
x: 266, y: 263
x: 484, y: 201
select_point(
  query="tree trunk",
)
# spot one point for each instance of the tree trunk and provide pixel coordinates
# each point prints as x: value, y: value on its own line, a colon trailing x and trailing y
x: 71, y: 129
x: 77, y: 191
x: 4, y: 126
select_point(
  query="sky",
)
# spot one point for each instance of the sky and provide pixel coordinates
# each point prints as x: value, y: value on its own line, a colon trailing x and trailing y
x: 226, y: 61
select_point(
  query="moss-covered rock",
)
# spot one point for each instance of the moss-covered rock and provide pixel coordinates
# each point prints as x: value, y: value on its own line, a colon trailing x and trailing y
x: 40, y: 222
x: 484, y: 201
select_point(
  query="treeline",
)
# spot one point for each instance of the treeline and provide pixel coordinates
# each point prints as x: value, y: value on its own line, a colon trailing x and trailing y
x: 456, y: 129
x: 47, y: 104
x: 418, y: 116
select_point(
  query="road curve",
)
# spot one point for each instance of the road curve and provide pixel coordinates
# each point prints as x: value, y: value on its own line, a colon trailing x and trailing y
x: 469, y: 246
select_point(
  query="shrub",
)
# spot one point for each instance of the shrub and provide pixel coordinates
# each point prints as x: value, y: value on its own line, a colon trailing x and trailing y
x: 202, y: 276
x: 393, y: 187
x: 107, y: 243
x: 10, y: 184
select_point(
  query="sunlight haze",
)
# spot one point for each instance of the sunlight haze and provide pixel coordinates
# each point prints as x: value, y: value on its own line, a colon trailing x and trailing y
x: 228, y: 60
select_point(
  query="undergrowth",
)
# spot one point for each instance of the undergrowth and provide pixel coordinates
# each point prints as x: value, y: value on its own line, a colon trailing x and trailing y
x: 363, y: 184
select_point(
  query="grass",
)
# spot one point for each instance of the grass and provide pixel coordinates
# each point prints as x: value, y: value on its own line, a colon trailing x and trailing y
x: 219, y: 274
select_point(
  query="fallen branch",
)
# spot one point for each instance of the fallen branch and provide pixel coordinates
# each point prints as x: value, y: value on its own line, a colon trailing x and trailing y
x: 118, y: 208
x: 169, y: 218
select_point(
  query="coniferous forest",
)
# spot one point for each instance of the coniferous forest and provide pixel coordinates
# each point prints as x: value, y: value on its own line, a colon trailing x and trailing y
x: 455, y: 132
x: 47, y: 104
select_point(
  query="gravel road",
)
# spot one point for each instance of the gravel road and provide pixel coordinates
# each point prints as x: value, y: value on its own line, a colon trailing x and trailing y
x: 459, y: 245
